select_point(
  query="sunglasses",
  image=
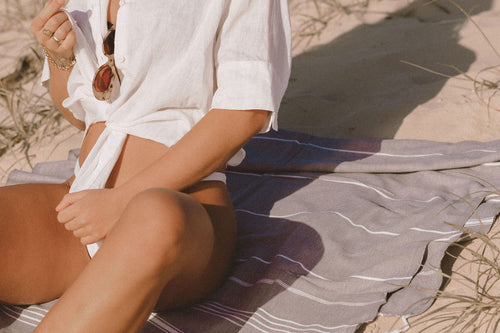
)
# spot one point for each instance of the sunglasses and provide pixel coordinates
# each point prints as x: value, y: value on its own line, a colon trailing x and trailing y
x: 102, y: 84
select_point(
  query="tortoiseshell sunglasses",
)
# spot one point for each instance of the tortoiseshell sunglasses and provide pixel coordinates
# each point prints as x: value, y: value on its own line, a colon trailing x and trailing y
x: 102, y: 84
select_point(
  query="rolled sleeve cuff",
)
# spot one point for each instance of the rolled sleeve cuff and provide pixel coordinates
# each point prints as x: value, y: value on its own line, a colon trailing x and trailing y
x: 44, y: 80
x: 248, y: 85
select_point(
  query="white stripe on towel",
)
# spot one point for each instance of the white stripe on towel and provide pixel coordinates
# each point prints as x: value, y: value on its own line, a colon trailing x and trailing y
x: 365, y: 228
x: 434, y: 231
x: 371, y: 278
x: 326, y: 179
x: 301, y: 293
x: 17, y: 315
x: 348, y: 150
x: 228, y: 308
x: 318, y: 212
x: 270, y: 322
x: 287, y: 258
x: 162, y: 324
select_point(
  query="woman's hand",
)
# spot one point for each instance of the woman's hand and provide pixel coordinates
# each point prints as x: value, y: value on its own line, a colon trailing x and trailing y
x: 54, y: 32
x: 91, y: 214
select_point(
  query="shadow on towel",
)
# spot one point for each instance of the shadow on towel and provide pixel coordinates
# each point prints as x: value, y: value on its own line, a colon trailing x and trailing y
x: 275, y: 251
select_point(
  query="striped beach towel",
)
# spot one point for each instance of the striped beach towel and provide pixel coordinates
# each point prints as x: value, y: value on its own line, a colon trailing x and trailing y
x: 332, y: 232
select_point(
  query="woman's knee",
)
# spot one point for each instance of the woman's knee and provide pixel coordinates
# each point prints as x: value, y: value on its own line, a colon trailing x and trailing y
x: 168, y: 226
x: 162, y: 212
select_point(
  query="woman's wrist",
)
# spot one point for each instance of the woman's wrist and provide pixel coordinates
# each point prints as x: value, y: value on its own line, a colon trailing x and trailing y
x: 124, y: 193
x: 61, y: 63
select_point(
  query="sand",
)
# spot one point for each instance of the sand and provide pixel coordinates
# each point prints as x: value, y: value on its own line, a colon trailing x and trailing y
x: 354, y: 80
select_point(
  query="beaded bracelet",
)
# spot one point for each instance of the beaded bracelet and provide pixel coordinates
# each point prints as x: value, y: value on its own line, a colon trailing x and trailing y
x: 63, y: 67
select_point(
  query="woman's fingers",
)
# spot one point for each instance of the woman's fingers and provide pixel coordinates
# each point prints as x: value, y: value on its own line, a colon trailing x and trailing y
x: 53, y: 30
x: 55, y: 21
x: 87, y: 240
x: 89, y: 214
x: 73, y: 225
x: 85, y: 237
x: 66, y: 209
x: 66, y: 215
x: 62, y: 38
x: 50, y: 8
x: 65, y: 202
x: 55, y: 25
x: 68, y: 42
x: 63, y: 29
x: 70, y: 199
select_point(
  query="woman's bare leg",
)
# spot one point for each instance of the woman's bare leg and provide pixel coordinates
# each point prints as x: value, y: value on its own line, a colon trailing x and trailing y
x: 39, y: 258
x: 162, y: 238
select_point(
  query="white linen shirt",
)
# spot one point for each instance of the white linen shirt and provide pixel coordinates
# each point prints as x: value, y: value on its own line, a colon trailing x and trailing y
x: 177, y: 60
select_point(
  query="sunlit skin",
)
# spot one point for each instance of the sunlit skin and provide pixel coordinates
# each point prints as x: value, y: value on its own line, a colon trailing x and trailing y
x: 168, y: 238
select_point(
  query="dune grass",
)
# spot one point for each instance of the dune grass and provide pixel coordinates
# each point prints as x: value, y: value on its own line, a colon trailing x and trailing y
x: 27, y: 114
x: 310, y: 24
x: 31, y: 118
x: 477, y: 272
x: 478, y: 309
x: 486, y: 82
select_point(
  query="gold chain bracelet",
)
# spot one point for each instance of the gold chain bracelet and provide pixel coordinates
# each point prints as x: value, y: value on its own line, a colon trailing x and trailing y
x: 63, y: 67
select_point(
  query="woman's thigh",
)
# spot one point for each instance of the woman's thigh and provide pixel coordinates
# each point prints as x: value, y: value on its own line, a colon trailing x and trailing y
x: 39, y: 258
x: 186, y: 288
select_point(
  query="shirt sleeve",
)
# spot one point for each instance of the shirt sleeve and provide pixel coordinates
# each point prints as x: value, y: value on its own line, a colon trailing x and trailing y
x: 253, y: 57
x: 45, y: 73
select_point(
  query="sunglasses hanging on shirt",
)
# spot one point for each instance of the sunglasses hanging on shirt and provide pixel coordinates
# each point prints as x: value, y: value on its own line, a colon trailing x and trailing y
x: 102, y: 84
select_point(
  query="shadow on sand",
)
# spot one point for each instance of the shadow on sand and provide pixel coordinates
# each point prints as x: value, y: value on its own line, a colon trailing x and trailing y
x: 357, y: 87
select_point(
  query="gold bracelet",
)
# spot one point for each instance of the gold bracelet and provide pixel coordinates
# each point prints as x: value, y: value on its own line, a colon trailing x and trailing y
x: 62, y: 67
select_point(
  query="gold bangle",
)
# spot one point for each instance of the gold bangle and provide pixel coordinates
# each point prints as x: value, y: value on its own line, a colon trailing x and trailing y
x: 60, y: 66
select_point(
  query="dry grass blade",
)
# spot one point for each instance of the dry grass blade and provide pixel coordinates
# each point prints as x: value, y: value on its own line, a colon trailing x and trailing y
x: 314, y: 16
x: 461, y: 9
x: 30, y: 118
x: 481, y: 86
x: 27, y: 114
x: 432, y: 71
x: 475, y: 308
x: 485, y: 89
x: 476, y: 312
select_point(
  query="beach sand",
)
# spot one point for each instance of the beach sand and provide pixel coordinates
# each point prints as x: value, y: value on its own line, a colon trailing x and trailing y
x: 354, y: 80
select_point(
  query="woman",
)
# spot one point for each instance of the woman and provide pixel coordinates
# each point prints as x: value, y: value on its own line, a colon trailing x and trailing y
x: 168, y: 92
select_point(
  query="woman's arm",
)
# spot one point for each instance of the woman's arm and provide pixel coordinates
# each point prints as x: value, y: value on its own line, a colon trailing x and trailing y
x: 204, y: 149
x: 58, y: 91
x: 52, y: 20
x: 91, y: 214
x: 252, y: 66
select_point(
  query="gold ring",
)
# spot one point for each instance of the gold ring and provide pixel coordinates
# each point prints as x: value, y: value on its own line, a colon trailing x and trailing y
x: 58, y: 41
x: 47, y: 32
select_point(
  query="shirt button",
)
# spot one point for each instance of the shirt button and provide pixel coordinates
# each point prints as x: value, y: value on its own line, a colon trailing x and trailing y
x: 120, y: 59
